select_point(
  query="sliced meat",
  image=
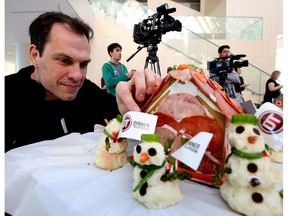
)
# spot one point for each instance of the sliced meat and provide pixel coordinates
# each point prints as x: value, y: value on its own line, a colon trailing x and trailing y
x: 207, y: 166
x: 177, y: 142
x: 166, y: 119
x: 226, y: 104
x: 195, y: 124
x: 181, y: 105
x: 165, y: 133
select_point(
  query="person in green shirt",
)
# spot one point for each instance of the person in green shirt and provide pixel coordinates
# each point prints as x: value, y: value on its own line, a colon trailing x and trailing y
x: 114, y: 71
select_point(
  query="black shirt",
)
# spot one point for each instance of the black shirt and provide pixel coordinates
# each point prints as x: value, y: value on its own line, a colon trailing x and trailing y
x: 270, y: 95
x: 29, y: 118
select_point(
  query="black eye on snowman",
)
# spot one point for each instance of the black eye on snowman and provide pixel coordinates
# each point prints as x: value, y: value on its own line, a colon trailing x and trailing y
x: 138, y: 149
x: 240, y: 129
x: 256, y: 131
x: 152, y: 151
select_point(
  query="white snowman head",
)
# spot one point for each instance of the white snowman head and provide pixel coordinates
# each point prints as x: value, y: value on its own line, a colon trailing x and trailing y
x: 245, y: 134
x: 113, y: 127
x: 150, y: 151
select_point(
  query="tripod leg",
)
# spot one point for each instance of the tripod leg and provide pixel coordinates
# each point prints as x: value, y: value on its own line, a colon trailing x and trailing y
x: 154, y: 68
x: 146, y: 65
x: 158, y: 67
x: 146, y: 62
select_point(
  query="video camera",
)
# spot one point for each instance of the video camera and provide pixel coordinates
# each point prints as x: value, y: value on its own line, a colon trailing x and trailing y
x: 226, y: 65
x: 150, y: 30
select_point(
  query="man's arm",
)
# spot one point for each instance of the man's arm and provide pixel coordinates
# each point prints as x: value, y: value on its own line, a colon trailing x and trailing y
x: 141, y: 84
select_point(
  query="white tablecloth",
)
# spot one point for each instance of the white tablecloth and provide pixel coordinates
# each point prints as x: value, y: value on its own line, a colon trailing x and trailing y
x: 58, y: 178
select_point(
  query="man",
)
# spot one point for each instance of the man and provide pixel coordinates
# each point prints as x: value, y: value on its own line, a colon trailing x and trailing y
x: 114, y: 71
x: 226, y: 79
x: 52, y: 97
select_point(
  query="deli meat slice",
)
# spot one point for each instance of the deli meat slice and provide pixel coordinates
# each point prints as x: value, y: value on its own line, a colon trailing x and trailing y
x: 177, y: 142
x: 164, y: 119
x: 165, y: 134
x: 195, y: 124
x: 180, y: 105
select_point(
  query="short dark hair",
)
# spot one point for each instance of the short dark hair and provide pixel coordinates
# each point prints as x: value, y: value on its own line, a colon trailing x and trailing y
x: 40, y: 28
x: 112, y: 46
x: 221, y: 48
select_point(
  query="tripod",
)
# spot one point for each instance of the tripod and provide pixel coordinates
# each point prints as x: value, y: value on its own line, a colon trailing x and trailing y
x: 151, y: 59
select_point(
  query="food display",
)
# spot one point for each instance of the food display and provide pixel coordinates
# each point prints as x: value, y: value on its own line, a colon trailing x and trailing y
x: 236, y: 160
x: 111, y: 150
x: 150, y: 184
x: 186, y: 103
x: 250, y: 187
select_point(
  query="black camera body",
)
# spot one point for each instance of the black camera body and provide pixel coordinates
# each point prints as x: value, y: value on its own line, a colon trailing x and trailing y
x: 150, y: 30
x: 226, y: 65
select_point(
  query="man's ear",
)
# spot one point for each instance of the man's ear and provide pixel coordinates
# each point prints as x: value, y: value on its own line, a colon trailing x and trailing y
x: 34, y: 55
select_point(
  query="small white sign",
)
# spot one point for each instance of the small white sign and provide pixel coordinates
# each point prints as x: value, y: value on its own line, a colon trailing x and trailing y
x: 135, y: 124
x: 192, y: 152
x: 270, y: 122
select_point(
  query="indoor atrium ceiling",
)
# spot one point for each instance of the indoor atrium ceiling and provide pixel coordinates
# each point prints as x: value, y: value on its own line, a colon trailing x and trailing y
x: 18, y: 16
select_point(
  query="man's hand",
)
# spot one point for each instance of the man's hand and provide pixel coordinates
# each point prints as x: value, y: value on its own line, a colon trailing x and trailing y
x: 140, y: 85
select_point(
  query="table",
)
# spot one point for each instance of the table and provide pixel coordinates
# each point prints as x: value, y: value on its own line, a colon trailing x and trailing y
x: 58, y: 178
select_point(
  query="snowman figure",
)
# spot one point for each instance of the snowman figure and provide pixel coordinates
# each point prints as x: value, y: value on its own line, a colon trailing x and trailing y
x: 250, y: 185
x: 111, y: 150
x: 150, y: 165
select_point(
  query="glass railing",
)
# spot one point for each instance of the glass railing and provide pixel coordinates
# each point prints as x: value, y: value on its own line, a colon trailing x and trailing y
x: 209, y: 27
x: 192, y: 40
x: 201, y: 51
x: 224, y: 28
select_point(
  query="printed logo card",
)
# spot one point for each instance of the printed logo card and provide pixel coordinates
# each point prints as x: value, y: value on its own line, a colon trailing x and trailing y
x: 270, y: 122
x: 135, y: 124
x: 192, y: 152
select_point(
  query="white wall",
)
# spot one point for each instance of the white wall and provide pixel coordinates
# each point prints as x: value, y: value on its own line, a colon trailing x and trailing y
x: 261, y: 53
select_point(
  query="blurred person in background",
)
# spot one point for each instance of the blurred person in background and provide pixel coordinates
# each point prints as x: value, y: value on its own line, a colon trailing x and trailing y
x: 239, y: 87
x: 229, y: 79
x: 272, y: 90
x: 114, y: 71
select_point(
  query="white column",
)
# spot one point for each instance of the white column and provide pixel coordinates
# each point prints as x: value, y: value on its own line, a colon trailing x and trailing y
x: 22, y: 55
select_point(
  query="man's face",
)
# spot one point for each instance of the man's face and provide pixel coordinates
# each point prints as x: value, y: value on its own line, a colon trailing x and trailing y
x: 116, y: 54
x: 63, y: 66
x: 225, y: 53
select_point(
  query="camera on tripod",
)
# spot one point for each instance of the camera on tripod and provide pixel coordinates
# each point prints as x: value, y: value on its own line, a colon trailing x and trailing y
x: 226, y: 65
x: 149, y: 33
x: 150, y: 30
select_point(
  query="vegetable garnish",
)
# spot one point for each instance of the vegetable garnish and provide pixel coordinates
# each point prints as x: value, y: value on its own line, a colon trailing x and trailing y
x: 167, y: 145
x: 106, y: 121
x: 247, y: 155
x: 184, y: 140
x: 244, y: 119
x: 150, y: 138
x: 107, y: 144
x: 144, y: 180
x: 119, y: 118
x: 108, y: 134
x: 113, y: 136
x: 150, y: 169
x: 219, y: 174
x: 176, y: 175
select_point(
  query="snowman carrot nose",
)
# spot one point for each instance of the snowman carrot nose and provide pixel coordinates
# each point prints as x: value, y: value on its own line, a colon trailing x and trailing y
x: 252, y: 139
x: 144, y: 157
